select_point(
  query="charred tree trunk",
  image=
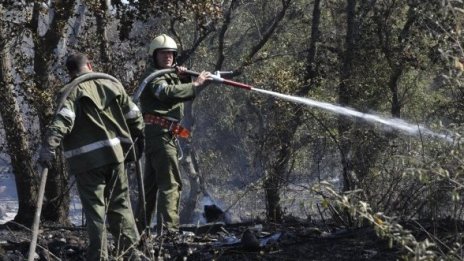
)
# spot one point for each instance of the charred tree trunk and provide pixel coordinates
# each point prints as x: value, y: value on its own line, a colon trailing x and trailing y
x: 197, y: 184
x: 17, y: 145
x: 345, y: 97
x: 222, y: 33
x: 272, y: 193
x: 311, y: 65
x: 396, y: 55
x: 57, y: 208
x: 275, y: 180
x: 268, y: 30
x: 189, y: 165
x: 280, y: 165
x: 393, y: 84
x: 196, y: 180
x: 277, y: 171
x: 101, y: 16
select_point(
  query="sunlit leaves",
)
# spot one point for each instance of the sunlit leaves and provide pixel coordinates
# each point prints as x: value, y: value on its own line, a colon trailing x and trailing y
x: 204, y: 12
x: 458, y: 64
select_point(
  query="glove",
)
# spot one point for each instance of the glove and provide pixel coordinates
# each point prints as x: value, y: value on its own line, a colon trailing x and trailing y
x: 46, y: 156
x: 139, y: 145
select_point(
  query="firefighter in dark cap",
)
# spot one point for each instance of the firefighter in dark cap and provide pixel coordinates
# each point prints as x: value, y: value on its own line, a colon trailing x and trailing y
x: 97, y: 124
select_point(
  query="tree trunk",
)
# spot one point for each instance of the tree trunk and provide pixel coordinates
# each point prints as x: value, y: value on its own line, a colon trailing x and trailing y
x: 393, y: 84
x: 399, y: 67
x: 272, y: 193
x: 396, y: 55
x: 197, y: 185
x: 193, y: 173
x: 268, y: 30
x: 102, y: 22
x: 311, y: 72
x: 277, y: 178
x: 280, y: 165
x: 56, y: 209
x: 56, y: 206
x: 17, y: 145
x: 345, y: 97
x: 222, y: 32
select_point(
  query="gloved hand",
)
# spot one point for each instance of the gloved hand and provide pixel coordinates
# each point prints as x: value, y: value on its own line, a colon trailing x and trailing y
x: 183, y: 76
x: 46, y: 156
x: 139, y: 145
x: 203, y: 79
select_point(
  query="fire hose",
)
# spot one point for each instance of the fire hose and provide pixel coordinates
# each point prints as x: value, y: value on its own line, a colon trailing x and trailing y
x: 216, y: 77
x: 67, y: 89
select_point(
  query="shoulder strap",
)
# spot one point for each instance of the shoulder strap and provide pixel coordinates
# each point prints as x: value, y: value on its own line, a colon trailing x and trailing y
x: 150, y: 77
x: 68, y: 88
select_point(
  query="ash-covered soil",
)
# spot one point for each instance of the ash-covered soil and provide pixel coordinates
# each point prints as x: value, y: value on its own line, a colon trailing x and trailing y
x: 215, y: 241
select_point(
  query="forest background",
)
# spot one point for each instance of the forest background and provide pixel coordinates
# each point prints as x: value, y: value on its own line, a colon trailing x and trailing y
x: 257, y: 155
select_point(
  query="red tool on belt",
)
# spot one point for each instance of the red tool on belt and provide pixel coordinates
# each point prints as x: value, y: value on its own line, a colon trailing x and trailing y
x: 173, y: 126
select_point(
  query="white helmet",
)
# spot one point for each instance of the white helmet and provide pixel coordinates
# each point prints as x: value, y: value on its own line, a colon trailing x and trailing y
x: 163, y: 42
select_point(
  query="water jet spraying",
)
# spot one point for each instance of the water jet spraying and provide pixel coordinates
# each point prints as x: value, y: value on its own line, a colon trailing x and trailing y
x: 395, y: 123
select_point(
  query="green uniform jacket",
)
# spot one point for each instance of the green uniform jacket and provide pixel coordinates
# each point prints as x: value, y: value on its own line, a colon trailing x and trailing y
x: 164, y: 96
x: 95, y: 123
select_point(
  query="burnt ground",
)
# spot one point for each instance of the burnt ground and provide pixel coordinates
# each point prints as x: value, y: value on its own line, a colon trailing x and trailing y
x: 216, y: 241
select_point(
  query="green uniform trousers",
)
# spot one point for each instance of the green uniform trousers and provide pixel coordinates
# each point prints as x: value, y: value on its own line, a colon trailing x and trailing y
x: 162, y: 185
x: 103, y: 191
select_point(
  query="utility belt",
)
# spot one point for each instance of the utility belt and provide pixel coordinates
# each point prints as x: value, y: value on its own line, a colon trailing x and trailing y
x: 173, y: 126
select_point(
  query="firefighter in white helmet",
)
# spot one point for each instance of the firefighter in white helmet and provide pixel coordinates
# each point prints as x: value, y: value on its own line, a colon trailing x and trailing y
x: 162, y: 106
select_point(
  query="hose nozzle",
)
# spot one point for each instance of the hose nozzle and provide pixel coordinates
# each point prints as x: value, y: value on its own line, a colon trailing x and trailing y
x: 219, y: 73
